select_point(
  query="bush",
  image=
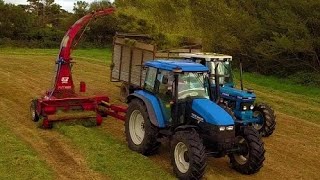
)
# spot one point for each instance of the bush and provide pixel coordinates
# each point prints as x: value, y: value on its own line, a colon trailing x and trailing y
x: 306, y: 78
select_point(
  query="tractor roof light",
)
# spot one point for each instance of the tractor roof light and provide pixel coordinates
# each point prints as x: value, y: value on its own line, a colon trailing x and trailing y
x: 251, y: 107
x: 177, y: 70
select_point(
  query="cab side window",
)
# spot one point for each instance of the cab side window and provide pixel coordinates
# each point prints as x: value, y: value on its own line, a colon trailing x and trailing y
x: 150, y: 79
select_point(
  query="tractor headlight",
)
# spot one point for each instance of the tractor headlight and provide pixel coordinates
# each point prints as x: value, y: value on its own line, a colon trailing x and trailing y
x: 244, y: 108
x: 229, y: 128
x: 222, y: 128
x: 251, y: 107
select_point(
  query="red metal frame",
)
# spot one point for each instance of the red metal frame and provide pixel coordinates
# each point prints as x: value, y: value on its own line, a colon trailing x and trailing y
x: 62, y: 96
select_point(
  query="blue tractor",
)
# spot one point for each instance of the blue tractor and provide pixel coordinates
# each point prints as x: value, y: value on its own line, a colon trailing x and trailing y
x: 240, y: 103
x: 174, y: 102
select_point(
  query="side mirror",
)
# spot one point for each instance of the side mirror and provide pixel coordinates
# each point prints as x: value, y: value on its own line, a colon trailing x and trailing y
x: 165, y: 79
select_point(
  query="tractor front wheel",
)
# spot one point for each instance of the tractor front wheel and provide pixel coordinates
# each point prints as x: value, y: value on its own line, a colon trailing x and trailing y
x: 188, y: 155
x: 267, y: 118
x: 250, y: 156
x: 141, y: 135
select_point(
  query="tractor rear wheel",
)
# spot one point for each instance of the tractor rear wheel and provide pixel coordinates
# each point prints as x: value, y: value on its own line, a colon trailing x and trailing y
x: 141, y: 135
x: 250, y: 157
x: 33, y: 111
x: 188, y: 155
x: 268, y: 119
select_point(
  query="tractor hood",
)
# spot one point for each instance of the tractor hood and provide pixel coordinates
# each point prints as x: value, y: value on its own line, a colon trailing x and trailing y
x: 208, y: 111
x: 227, y: 91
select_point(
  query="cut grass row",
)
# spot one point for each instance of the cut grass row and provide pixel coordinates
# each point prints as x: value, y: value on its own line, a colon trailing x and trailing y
x: 18, y: 160
x: 111, y: 156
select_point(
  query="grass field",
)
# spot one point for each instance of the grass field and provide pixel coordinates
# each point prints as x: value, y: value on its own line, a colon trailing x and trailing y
x: 78, y: 152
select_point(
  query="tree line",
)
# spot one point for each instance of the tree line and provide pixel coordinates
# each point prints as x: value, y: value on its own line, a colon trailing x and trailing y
x: 270, y: 36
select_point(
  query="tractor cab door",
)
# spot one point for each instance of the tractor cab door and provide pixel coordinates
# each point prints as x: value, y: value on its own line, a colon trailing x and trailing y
x: 163, y: 89
x: 159, y: 83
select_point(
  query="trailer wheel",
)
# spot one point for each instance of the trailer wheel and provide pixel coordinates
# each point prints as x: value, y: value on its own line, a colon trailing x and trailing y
x: 267, y: 117
x: 124, y: 92
x: 188, y: 155
x: 141, y: 135
x: 250, y: 157
x: 33, y: 111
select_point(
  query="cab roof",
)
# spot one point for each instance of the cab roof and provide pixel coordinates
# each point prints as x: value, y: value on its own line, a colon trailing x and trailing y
x: 207, y: 56
x: 172, y: 65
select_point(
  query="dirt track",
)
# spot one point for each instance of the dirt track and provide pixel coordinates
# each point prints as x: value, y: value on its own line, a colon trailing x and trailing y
x: 293, y: 151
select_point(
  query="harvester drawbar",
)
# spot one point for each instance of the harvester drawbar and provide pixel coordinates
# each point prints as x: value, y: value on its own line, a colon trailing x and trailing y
x: 62, y: 95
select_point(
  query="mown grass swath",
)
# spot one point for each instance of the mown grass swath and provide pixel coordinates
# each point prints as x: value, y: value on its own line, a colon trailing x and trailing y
x: 111, y: 156
x: 18, y: 160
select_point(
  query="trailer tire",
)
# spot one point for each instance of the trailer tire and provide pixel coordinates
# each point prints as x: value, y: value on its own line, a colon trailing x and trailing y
x: 141, y: 134
x: 250, y: 159
x: 188, y: 155
x: 124, y: 92
x: 33, y: 111
x: 269, y: 119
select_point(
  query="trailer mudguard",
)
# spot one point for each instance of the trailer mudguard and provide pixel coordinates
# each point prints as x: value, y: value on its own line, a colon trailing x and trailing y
x: 153, y: 107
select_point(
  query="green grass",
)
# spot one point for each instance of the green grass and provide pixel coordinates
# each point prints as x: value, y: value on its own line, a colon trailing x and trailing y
x: 110, y: 156
x: 274, y: 83
x: 99, y: 55
x: 285, y: 96
x: 18, y: 161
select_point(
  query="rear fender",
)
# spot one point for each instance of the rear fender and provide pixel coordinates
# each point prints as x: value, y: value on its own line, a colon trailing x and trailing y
x: 153, y: 106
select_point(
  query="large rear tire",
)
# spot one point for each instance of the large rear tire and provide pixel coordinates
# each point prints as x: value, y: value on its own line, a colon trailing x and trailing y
x: 250, y: 157
x: 268, y: 119
x: 188, y: 155
x: 141, y: 135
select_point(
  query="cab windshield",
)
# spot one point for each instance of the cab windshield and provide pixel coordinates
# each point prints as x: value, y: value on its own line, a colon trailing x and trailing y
x: 224, y: 71
x: 192, y: 84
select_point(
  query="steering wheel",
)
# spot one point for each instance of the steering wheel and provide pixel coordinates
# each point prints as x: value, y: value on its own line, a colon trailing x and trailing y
x: 190, y: 92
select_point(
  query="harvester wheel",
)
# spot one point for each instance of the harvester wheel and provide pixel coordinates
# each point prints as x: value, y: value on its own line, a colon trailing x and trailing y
x: 250, y: 157
x: 141, y: 135
x: 33, y: 111
x: 188, y: 155
x: 268, y: 119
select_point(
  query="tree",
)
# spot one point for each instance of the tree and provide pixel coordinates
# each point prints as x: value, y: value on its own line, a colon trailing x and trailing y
x: 80, y: 8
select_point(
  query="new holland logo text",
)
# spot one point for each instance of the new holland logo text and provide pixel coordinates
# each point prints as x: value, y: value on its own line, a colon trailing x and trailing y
x: 198, y: 118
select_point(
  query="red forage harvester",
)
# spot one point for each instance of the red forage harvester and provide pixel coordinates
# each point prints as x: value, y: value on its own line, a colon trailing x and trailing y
x: 62, y: 96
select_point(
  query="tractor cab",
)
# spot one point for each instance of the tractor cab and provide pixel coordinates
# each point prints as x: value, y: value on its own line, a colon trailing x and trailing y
x: 241, y: 101
x: 183, y: 92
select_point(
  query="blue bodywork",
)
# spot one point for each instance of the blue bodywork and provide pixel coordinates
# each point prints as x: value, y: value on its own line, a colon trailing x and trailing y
x: 237, y: 96
x: 170, y: 65
x: 211, y: 112
x: 154, y: 108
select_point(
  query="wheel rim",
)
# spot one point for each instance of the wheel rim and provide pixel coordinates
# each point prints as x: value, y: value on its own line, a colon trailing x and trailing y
x: 136, y: 127
x: 180, y: 157
x: 260, y: 122
x: 243, y: 157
